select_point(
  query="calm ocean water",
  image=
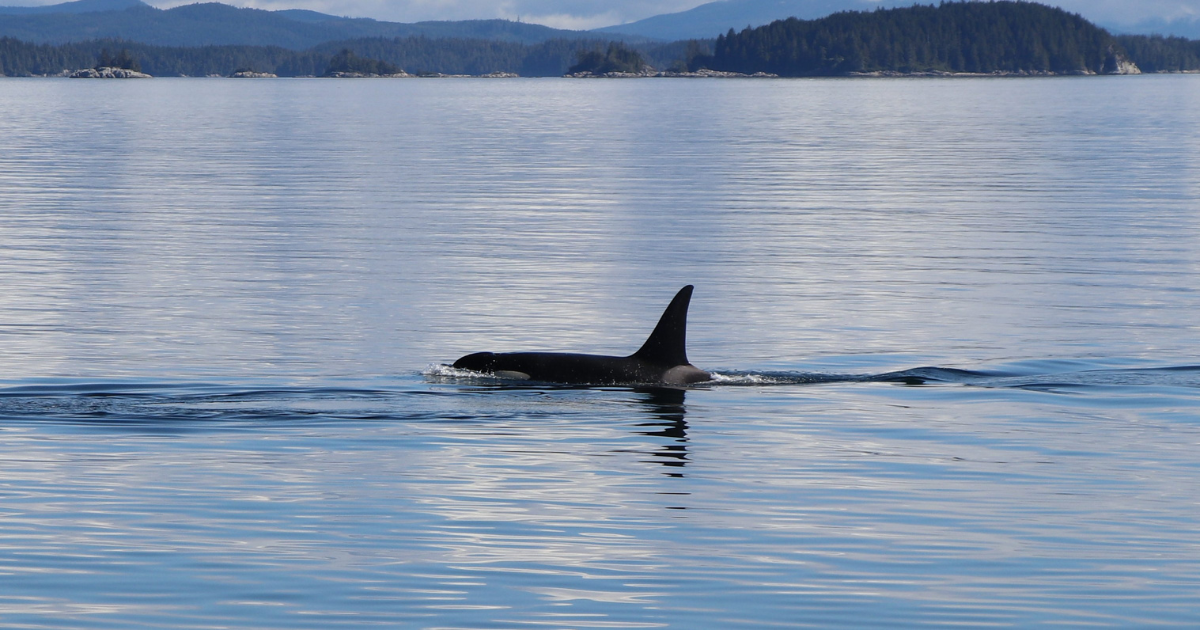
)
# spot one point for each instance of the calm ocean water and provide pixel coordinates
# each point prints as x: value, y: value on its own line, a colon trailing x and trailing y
x: 224, y: 308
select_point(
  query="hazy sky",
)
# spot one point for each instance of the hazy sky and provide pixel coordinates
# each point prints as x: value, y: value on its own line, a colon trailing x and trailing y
x: 582, y: 14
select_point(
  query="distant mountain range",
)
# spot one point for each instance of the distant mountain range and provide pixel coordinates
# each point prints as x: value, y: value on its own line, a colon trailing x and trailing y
x: 1181, y: 28
x: 81, y: 6
x: 221, y: 24
x: 715, y: 18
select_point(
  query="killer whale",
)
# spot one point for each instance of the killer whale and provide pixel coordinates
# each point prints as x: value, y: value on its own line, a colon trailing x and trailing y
x: 661, y: 360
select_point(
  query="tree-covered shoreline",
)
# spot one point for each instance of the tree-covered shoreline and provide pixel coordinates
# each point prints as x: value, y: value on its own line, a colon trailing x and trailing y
x: 1155, y: 53
x: 415, y: 55
x: 962, y: 37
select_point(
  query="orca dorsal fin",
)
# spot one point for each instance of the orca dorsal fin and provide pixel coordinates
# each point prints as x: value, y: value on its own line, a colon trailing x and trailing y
x: 666, y: 344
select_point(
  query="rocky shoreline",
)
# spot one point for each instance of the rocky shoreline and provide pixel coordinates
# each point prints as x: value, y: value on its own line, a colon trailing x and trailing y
x: 423, y: 75
x: 106, y: 73
x: 651, y: 73
x: 367, y: 75
x: 250, y: 74
x: 1125, y: 68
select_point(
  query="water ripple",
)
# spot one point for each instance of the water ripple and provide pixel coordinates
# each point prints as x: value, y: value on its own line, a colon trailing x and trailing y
x: 952, y: 327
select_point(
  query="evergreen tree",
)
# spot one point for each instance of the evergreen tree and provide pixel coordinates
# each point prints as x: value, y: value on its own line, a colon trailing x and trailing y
x: 618, y: 58
x: 120, y: 60
x: 347, y: 61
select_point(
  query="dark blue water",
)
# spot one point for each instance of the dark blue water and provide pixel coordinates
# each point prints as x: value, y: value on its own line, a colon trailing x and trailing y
x: 953, y: 324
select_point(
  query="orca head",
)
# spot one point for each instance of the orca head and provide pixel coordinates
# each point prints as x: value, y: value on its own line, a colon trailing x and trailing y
x: 484, y: 362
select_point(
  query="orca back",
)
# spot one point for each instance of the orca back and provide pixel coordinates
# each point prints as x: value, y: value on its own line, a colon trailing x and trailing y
x: 667, y: 344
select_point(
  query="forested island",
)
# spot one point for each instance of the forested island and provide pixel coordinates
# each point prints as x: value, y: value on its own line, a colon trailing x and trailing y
x: 953, y: 38
x: 961, y: 37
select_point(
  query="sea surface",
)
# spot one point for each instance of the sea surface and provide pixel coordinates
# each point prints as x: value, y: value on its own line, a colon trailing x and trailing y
x: 954, y: 325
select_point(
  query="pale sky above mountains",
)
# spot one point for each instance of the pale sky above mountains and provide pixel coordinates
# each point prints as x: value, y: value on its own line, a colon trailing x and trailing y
x: 586, y: 14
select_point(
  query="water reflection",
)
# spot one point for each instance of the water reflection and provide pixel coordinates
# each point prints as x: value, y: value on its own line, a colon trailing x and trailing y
x: 837, y: 228
x: 666, y: 410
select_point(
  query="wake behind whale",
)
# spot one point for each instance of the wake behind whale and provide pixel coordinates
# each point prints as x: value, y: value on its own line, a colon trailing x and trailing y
x: 1187, y: 376
x: 662, y: 361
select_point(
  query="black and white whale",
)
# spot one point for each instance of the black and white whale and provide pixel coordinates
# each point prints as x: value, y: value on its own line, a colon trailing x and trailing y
x: 661, y: 360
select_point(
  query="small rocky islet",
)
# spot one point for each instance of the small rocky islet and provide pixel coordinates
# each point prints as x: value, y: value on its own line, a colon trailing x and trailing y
x: 107, y: 73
